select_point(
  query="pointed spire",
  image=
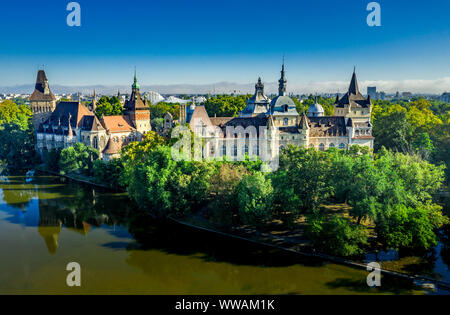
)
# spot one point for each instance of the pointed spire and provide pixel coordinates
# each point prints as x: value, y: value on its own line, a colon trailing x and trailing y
x: 304, y: 122
x: 282, y: 81
x: 353, y: 89
x: 337, y: 98
x: 135, y: 84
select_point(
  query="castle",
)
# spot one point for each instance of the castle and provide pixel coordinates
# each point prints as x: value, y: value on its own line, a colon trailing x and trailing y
x: 350, y: 125
x: 62, y: 125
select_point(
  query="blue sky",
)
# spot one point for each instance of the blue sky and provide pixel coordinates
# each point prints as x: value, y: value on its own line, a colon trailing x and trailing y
x: 205, y: 41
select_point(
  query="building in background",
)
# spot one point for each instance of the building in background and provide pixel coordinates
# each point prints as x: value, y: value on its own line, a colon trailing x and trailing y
x: 72, y: 122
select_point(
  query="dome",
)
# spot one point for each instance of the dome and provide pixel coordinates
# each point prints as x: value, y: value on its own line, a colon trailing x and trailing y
x: 283, y: 105
x: 316, y: 110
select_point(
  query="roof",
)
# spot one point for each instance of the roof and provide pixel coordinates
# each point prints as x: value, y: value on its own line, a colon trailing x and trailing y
x: 135, y: 102
x: 112, y: 147
x: 258, y: 103
x: 327, y: 126
x: 65, y: 110
x: 199, y: 113
x: 353, y: 97
x: 224, y: 122
x: 279, y: 103
x: 42, y: 89
x: 91, y: 123
x: 316, y: 110
x: 117, y: 124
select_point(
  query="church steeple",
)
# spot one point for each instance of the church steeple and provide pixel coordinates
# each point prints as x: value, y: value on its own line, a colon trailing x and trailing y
x: 282, y: 82
x: 353, y: 89
x: 135, y: 85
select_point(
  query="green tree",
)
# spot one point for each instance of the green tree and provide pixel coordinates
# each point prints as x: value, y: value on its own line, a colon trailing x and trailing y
x: 393, y: 131
x: 226, y: 105
x: 10, y: 113
x: 17, y: 146
x: 254, y: 194
x: 78, y: 159
x: 107, y: 106
x: 402, y: 227
x: 159, y: 110
x: 337, y: 236
x: 108, y: 173
x: 308, y: 171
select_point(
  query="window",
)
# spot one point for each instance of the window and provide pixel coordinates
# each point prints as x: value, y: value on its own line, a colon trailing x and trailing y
x: 322, y: 147
x: 286, y: 121
x: 224, y: 150
x: 342, y: 146
x: 331, y: 145
x: 246, y: 149
x: 311, y: 146
x: 235, y: 150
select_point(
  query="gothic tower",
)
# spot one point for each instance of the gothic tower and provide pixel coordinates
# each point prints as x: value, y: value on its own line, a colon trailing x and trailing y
x: 138, y: 110
x: 42, y: 101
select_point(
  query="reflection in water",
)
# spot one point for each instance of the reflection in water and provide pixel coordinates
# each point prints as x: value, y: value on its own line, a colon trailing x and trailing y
x: 47, y: 222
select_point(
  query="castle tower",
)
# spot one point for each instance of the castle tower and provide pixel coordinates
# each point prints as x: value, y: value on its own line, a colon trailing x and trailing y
x: 42, y: 101
x: 138, y: 110
x: 282, y: 82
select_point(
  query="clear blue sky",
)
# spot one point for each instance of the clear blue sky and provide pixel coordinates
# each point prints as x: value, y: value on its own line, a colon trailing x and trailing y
x: 204, y: 41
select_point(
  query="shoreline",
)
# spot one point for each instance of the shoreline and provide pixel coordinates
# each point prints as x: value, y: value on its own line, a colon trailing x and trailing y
x: 415, y: 279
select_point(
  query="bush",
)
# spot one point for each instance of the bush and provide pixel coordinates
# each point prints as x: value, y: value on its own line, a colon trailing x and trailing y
x: 338, y: 236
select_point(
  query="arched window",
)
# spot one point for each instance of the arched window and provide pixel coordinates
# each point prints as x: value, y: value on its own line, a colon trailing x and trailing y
x: 235, y: 150
x: 95, y: 144
x: 311, y: 146
x: 286, y: 121
x: 224, y: 150
x: 342, y: 146
x: 322, y: 147
x: 246, y: 149
x: 331, y: 145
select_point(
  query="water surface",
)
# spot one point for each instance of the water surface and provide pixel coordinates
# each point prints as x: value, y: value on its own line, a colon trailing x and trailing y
x: 47, y: 222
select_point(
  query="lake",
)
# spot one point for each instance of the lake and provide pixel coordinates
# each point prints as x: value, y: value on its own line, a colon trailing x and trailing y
x: 46, y: 222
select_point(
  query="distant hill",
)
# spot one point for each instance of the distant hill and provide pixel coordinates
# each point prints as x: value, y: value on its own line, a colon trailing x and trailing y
x: 217, y: 88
